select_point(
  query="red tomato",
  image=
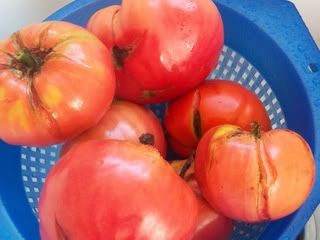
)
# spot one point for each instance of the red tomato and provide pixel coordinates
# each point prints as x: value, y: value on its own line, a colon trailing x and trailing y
x: 56, y: 80
x: 254, y: 176
x: 165, y: 51
x: 126, y: 121
x: 178, y: 148
x: 213, y: 103
x: 112, y: 189
x: 210, y: 225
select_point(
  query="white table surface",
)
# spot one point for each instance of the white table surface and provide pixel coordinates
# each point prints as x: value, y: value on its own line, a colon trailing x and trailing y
x: 16, y: 13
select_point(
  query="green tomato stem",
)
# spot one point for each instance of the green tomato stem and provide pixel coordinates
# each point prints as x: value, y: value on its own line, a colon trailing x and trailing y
x: 28, y: 60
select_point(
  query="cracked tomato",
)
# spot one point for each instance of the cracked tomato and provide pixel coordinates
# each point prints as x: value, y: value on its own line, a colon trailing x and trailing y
x: 112, y: 189
x: 56, y: 80
x: 254, y: 176
x: 164, y: 52
x: 125, y: 121
x: 213, y: 103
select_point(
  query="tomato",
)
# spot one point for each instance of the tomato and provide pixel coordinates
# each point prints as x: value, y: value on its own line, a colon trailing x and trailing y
x: 126, y: 121
x: 254, y: 176
x: 178, y: 148
x: 210, y: 224
x: 115, y: 189
x: 56, y: 80
x: 164, y: 52
x: 213, y: 103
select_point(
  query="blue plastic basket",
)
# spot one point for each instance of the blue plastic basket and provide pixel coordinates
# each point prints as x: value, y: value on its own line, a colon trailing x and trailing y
x: 268, y: 49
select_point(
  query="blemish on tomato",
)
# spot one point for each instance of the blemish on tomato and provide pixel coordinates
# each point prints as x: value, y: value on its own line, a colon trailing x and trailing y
x: 17, y: 114
x: 119, y: 56
x: 153, y: 93
x: 52, y: 96
x: 2, y: 94
x: 147, y: 139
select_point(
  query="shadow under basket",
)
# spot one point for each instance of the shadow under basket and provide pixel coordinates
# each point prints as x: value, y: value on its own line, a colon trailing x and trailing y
x: 268, y: 49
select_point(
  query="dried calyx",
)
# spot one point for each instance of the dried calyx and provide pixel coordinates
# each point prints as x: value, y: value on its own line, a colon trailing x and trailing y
x: 256, y: 129
x: 27, y: 61
x: 119, y: 55
x: 147, y: 139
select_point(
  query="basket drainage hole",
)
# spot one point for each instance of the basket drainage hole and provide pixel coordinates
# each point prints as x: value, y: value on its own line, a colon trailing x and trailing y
x: 313, y: 67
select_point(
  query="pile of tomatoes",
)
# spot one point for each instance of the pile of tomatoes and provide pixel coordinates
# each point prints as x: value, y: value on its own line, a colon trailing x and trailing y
x: 86, y: 88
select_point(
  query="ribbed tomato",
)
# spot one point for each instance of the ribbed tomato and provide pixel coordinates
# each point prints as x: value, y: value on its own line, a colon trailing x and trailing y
x: 115, y: 189
x: 161, y: 48
x: 125, y: 121
x: 213, y: 103
x: 56, y: 80
x: 254, y: 176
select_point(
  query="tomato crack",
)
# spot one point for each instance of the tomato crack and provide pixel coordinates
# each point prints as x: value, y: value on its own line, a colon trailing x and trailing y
x: 42, y: 112
x: 112, y: 23
x: 236, y: 133
x: 43, y: 35
x: 267, y: 178
x: 187, y: 165
x: 196, y: 120
x: 118, y: 54
x: 121, y: 52
x: 154, y: 93
x: 62, y: 234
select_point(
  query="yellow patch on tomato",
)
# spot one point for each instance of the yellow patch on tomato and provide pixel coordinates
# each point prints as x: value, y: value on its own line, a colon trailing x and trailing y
x: 18, y: 114
x: 225, y: 130
x: 2, y: 93
x: 52, y: 96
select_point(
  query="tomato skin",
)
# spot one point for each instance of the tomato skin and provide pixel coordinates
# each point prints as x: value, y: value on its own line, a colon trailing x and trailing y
x: 178, y: 148
x: 210, y: 224
x: 113, y: 189
x: 63, y: 73
x: 254, y: 179
x: 102, y: 19
x: 217, y: 102
x: 156, y: 53
x: 125, y: 121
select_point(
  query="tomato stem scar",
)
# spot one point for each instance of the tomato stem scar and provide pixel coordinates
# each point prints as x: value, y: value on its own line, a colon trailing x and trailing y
x: 147, y: 139
x: 26, y: 58
x: 119, y: 56
x: 256, y: 129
